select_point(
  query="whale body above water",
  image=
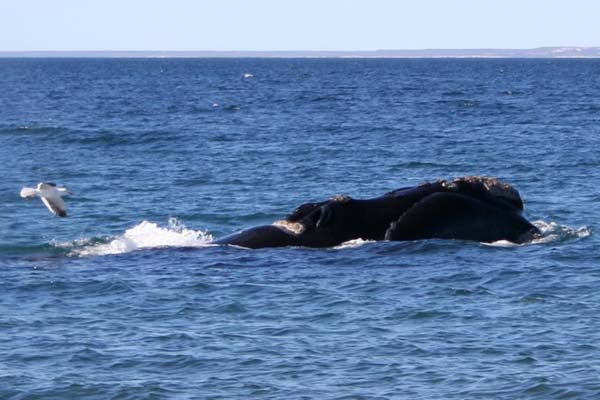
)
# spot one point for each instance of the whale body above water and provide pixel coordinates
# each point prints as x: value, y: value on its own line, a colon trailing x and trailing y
x: 474, y: 208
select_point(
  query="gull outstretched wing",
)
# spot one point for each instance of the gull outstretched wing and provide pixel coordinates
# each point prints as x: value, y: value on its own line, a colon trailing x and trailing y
x: 56, y: 205
x: 28, y: 193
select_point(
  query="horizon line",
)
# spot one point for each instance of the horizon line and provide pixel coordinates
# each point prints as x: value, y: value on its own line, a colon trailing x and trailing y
x: 536, y: 52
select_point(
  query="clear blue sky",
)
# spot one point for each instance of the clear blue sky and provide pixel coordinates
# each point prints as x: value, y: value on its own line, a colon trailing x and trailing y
x: 295, y: 24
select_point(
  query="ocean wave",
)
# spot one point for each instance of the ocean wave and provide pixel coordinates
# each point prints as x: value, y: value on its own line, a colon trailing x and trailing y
x: 109, y: 138
x: 31, y: 129
x: 42, y: 250
x: 145, y: 235
x: 459, y: 103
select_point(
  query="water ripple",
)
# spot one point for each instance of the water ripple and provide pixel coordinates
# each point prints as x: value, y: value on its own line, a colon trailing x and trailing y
x: 127, y: 298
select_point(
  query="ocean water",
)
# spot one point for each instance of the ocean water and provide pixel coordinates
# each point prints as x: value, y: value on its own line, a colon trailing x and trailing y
x: 127, y: 298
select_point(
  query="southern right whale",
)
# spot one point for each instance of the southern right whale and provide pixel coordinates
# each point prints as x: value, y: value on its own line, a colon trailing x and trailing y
x: 475, y: 208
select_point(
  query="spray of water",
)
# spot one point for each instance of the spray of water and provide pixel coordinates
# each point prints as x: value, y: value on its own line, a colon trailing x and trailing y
x: 551, y: 232
x: 146, y: 235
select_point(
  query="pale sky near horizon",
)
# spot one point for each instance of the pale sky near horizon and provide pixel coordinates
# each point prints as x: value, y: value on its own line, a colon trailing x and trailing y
x: 295, y: 25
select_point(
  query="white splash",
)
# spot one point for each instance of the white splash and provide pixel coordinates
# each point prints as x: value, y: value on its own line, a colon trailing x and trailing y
x: 550, y: 232
x: 147, y: 235
x: 501, y: 243
x: 350, y: 244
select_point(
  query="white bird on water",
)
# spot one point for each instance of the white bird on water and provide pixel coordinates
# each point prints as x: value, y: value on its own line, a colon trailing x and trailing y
x: 50, y: 195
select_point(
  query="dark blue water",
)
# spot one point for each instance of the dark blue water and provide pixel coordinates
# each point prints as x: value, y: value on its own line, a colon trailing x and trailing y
x: 126, y: 299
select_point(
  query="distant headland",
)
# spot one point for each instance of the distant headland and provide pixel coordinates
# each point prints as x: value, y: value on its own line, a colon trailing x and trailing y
x: 540, y: 52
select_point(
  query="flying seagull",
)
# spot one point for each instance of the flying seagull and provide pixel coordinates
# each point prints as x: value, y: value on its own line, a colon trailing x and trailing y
x: 50, y: 195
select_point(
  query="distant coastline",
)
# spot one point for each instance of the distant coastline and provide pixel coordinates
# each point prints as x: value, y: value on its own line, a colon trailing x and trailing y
x: 540, y: 52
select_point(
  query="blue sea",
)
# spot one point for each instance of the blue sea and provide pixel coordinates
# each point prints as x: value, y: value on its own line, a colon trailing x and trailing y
x: 126, y: 298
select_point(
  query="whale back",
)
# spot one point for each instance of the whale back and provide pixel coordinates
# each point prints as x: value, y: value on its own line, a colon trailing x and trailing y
x: 370, y: 218
x: 314, y: 215
x: 470, y: 208
x: 486, y: 189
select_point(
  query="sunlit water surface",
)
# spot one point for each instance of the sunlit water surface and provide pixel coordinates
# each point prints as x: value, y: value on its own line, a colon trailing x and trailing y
x: 127, y: 299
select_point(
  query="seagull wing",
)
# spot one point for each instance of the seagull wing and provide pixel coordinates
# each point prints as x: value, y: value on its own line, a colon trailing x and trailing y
x: 28, y: 193
x: 56, y: 205
x: 63, y: 191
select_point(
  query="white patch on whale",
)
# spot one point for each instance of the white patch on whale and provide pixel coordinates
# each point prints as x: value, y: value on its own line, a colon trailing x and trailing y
x: 293, y: 227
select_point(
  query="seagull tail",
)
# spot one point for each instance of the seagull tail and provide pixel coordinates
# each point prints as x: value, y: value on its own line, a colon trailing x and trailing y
x: 28, y: 193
